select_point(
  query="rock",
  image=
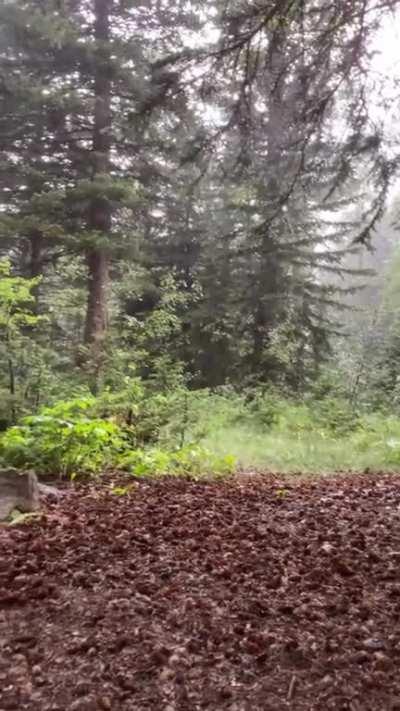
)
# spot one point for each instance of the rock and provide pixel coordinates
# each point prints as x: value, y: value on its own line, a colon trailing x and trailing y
x: 18, y: 490
x: 51, y: 491
x: 374, y: 644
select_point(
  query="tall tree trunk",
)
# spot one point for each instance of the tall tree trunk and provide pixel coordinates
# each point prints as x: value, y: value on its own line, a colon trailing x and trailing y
x: 99, y: 219
x: 265, y: 312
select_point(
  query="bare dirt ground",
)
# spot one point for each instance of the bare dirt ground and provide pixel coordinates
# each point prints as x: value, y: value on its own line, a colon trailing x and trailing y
x: 253, y: 594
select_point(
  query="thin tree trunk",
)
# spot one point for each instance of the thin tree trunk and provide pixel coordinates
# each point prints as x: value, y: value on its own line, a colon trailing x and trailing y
x: 99, y: 220
x: 12, y: 389
x: 11, y: 378
x: 35, y: 261
x: 35, y: 265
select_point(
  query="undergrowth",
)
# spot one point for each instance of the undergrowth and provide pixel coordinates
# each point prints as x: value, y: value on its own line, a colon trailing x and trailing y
x: 311, y: 436
x: 197, y: 433
x: 72, y: 439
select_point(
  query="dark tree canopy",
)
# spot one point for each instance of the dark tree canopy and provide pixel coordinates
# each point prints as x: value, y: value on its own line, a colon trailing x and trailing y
x: 230, y: 151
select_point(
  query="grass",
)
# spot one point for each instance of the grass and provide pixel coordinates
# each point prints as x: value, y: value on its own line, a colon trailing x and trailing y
x: 312, y: 452
x: 299, y: 438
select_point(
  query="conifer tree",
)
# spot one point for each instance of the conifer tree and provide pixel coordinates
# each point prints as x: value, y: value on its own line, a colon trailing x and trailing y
x: 210, y: 153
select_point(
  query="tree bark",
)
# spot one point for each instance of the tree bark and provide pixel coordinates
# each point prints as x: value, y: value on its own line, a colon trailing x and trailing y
x: 35, y: 264
x: 266, y: 285
x: 96, y: 315
x: 99, y: 218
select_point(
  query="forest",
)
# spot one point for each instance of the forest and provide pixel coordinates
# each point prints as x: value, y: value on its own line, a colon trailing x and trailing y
x: 198, y: 236
x: 199, y: 355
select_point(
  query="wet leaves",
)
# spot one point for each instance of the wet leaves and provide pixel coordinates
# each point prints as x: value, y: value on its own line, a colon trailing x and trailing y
x: 207, y: 595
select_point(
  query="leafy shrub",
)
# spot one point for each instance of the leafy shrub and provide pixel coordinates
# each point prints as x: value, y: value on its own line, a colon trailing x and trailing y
x: 270, y: 410
x: 63, y: 439
x: 17, y: 344
x: 147, y: 415
x: 132, y: 408
x: 69, y: 438
x: 169, y: 418
x: 194, y: 461
x: 263, y: 408
x: 296, y: 418
x: 336, y: 415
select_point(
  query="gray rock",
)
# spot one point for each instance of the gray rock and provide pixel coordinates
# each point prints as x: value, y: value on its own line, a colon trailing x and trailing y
x: 18, y: 490
x: 51, y: 491
x: 374, y: 644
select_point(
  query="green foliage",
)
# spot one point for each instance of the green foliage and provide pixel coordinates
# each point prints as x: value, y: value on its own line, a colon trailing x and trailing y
x: 204, y: 281
x: 149, y: 415
x: 15, y: 298
x: 264, y: 408
x: 18, y: 325
x: 16, y: 518
x: 314, y: 436
x: 63, y: 440
x: 269, y: 409
x: 70, y: 439
x: 195, y: 461
x: 337, y: 415
x: 121, y: 490
x: 89, y: 435
x: 154, y: 343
